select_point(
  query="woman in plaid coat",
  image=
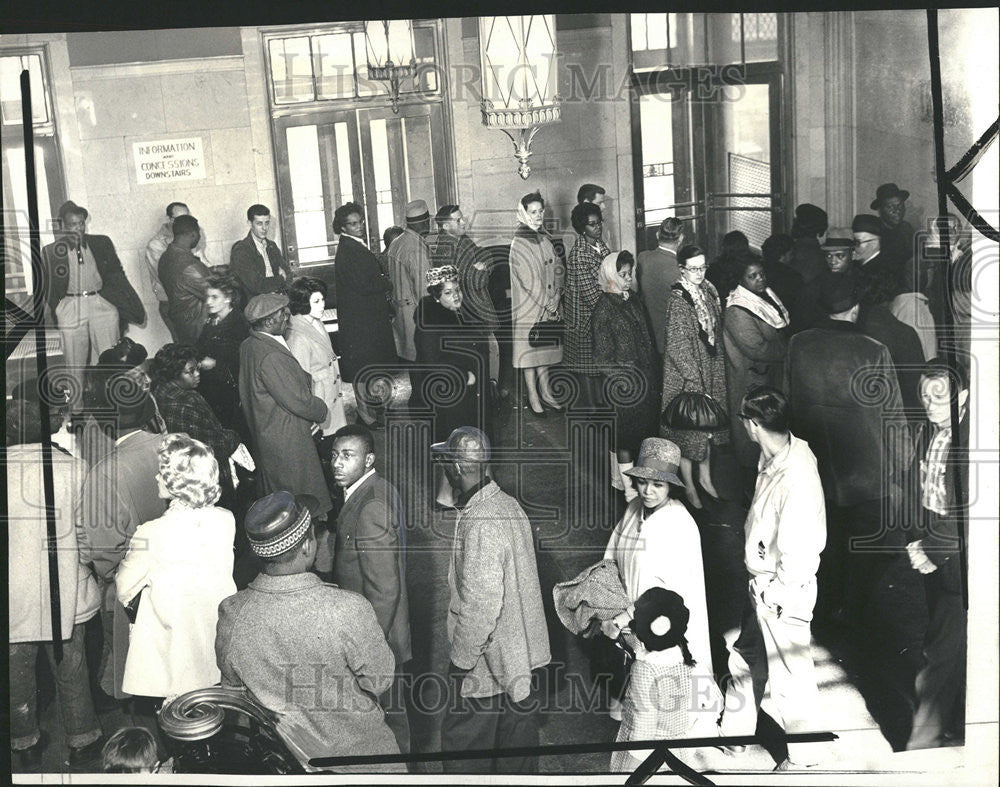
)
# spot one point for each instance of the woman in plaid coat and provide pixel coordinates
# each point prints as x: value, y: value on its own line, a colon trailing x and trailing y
x: 582, y: 293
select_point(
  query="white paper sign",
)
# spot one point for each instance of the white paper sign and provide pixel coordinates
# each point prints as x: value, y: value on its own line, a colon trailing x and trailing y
x: 169, y: 160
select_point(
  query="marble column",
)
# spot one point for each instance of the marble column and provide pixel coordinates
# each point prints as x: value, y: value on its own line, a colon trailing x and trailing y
x: 838, y: 66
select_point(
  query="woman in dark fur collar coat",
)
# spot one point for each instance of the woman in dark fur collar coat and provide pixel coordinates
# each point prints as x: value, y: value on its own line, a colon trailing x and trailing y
x: 456, y: 348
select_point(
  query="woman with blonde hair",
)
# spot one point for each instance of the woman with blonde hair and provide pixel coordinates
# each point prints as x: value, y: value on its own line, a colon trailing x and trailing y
x: 177, y: 570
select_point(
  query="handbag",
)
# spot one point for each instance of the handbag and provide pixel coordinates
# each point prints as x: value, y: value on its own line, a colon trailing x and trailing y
x: 546, y: 333
x: 690, y: 410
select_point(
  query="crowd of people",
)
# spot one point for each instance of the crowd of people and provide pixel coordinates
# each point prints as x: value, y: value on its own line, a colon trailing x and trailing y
x: 220, y: 521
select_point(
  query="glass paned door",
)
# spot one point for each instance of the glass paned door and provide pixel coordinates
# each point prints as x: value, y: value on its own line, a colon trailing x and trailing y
x: 372, y: 156
x: 709, y: 155
x: 319, y: 168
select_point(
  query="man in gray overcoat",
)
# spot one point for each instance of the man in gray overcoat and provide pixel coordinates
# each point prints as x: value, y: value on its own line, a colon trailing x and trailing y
x: 281, y: 411
x: 496, y: 624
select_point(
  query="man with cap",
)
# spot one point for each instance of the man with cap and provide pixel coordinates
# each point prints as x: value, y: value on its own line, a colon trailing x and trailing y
x: 89, y: 295
x: 496, y: 623
x: 838, y: 251
x: 845, y: 401
x: 657, y: 271
x: 185, y: 279
x: 310, y: 652
x: 281, y: 411
x: 809, y: 224
x: 154, y: 250
x: 256, y: 260
x: 895, y: 233
x: 369, y: 556
x: 785, y: 533
x: 872, y: 264
x: 119, y: 494
x: 409, y: 261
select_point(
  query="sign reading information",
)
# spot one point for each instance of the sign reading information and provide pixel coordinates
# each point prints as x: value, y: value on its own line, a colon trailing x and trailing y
x: 168, y: 160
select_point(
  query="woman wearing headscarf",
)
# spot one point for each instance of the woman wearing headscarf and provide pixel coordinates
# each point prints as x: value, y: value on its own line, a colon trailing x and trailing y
x: 537, y: 275
x: 693, y: 363
x: 755, y: 338
x: 454, y: 348
x: 624, y: 352
x: 582, y: 294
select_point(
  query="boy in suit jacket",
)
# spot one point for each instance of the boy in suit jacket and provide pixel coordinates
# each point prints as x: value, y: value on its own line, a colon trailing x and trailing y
x: 368, y: 556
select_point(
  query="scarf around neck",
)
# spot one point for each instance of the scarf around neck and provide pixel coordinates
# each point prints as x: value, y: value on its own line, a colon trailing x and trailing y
x: 698, y: 299
x: 771, y: 311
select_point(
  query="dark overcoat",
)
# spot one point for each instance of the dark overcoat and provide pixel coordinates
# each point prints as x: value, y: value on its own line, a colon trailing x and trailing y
x: 364, y: 316
x: 844, y: 401
x: 185, y: 278
x: 281, y: 409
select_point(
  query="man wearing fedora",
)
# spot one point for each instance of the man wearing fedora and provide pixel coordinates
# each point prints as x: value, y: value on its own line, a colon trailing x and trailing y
x: 872, y: 264
x: 845, y: 401
x: 312, y: 653
x: 496, y: 623
x: 809, y: 224
x: 409, y: 261
x: 838, y: 251
x: 785, y: 533
x: 281, y: 411
x: 88, y: 294
x: 896, y: 234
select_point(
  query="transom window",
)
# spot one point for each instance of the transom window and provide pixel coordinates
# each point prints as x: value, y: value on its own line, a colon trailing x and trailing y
x: 331, y: 64
x: 663, y: 41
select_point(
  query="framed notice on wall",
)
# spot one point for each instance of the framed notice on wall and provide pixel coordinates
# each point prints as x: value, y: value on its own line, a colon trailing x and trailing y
x: 169, y: 160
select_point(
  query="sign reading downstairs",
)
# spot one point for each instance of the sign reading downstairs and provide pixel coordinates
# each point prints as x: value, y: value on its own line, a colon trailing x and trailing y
x: 169, y: 160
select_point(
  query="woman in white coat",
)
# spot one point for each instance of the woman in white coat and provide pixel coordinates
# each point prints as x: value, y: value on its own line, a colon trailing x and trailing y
x: 656, y: 544
x: 310, y: 344
x: 537, y: 276
x: 182, y: 565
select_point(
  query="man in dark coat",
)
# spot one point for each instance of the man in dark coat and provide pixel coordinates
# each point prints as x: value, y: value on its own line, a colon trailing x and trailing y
x: 873, y: 265
x: 185, y: 278
x: 876, y: 320
x: 845, y: 403
x: 896, y: 234
x: 281, y: 411
x: 310, y: 652
x: 838, y: 249
x: 809, y: 224
x: 786, y: 282
x: 936, y: 555
x: 256, y: 260
x: 657, y: 272
x: 369, y: 554
x: 364, y: 316
x: 88, y: 294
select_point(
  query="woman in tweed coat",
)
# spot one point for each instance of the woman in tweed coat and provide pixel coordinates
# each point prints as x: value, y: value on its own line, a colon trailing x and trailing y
x: 582, y: 293
x: 693, y: 361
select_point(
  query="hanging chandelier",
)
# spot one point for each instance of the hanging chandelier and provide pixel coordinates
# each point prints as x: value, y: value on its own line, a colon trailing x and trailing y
x: 519, y: 78
x: 390, y: 54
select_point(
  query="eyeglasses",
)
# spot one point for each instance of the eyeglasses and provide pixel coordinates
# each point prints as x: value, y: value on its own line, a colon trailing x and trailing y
x: 695, y: 268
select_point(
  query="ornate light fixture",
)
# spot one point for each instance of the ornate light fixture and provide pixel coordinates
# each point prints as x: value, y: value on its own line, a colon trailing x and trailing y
x: 519, y: 78
x: 390, y: 53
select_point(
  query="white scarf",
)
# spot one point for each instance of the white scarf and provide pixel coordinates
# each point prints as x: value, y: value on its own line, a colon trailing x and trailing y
x: 753, y: 303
